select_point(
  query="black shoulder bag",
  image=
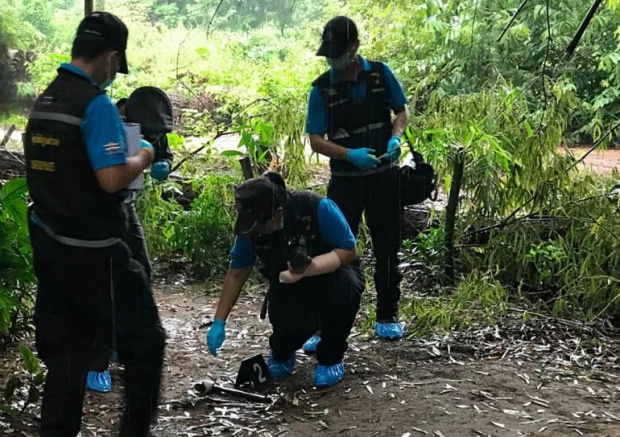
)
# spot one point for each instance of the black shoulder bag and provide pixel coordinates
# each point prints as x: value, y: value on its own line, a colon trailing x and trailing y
x: 418, y: 180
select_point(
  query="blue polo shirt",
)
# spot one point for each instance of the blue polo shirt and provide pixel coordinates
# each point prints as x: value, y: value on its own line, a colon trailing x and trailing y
x: 316, y: 120
x: 102, y: 128
x: 333, y: 230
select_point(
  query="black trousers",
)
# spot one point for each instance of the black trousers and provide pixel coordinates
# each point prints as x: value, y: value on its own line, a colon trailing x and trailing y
x: 135, y: 236
x: 376, y: 196
x: 328, y: 301
x: 81, y: 293
x: 136, y: 241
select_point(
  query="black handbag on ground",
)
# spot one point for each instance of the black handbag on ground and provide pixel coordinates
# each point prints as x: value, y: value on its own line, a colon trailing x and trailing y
x: 418, y: 180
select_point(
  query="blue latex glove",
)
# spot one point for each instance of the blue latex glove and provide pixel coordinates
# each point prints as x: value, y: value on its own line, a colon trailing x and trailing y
x: 160, y: 170
x: 393, y: 149
x: 216, y: 336
x: 146, y: 145
x: 363, y: 158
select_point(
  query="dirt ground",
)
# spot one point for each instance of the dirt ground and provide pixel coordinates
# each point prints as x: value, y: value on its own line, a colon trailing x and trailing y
x: 600, y: 161
x: 538, y: 377
x: 493, y: 386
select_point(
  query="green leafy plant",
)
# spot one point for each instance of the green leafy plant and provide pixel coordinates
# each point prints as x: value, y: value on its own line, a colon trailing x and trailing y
x: 20, y: 391
x: 545, y: 258
x: 257, y: 138
x: 565, y: 259
x: 15, y: 119
x: 204, y: 233
x: 426, y: 252
x: 479, y: 298
x: 17, y: 278
x: 158, y: 217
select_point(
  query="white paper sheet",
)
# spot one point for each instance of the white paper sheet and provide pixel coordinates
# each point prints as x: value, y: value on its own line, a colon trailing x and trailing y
x: 132, y: 136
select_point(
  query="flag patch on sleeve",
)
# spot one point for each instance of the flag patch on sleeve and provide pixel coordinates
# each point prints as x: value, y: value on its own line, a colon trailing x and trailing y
x: 112, y: 148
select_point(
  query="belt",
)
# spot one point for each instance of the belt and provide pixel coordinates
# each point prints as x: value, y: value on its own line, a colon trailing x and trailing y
x: 76, y: 242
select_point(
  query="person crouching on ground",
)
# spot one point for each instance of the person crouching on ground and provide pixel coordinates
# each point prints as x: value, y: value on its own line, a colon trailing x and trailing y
x: 306, y: 251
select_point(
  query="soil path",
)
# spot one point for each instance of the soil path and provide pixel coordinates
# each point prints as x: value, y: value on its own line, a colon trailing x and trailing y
x: 603, y: 161
x: 407, y: 388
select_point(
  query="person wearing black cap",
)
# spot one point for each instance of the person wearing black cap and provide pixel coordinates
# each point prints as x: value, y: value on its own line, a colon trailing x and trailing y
x: 350, y: 121
x: 306, y: 251
x: 88, y: 282
x: 149, y: 107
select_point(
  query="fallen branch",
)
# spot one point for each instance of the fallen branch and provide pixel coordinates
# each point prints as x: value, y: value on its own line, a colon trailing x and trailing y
x: 7, y: 136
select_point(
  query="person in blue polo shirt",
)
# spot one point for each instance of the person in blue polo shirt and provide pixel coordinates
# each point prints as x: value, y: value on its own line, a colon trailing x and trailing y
x: 350, y: 121
x: 90, y: 287
x: 306, y: 251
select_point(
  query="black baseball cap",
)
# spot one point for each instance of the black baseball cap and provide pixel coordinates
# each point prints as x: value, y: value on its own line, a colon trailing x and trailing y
x: 257, y: 200
x: 151, y: 107
x: 108, y: 30
x: 339, y: 33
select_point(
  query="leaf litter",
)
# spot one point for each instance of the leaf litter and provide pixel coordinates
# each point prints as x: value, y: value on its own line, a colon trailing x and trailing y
x: 543, y: 355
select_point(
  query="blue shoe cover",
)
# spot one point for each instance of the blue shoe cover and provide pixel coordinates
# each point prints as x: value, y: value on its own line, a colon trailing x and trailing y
x: 310, y: 345
x: 280, y: 369
x: 326, y: 376
x: 389, y: 330
x: 99, y: 381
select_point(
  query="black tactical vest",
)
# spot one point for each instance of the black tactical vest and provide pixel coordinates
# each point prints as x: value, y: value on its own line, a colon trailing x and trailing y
x: 356, y: 125
x: 62, y: 184
x: 301, y: 227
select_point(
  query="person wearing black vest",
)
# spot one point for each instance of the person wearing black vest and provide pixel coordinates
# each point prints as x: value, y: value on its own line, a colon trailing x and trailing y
x: 306, y: 250
x: 149, y: 107
x: 350, y: 121
x: 88, y: 281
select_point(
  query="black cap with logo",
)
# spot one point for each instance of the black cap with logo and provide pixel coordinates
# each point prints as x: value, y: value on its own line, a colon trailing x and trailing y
x: 339, y: 33
x: 108, y: 30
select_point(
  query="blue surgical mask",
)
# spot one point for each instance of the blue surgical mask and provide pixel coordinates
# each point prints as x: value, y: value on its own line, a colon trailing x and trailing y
x: 106, y: 83
x: 341, y: 62
x: 112, y: 68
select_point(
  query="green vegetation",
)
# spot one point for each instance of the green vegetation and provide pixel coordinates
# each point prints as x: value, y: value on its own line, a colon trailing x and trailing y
x: 477, y: 299
x: 530, y: 226
x: 25, y: 388
x: 17, y: 276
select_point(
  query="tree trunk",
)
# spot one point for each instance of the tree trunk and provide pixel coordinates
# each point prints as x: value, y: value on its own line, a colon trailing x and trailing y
x: 451, y: 210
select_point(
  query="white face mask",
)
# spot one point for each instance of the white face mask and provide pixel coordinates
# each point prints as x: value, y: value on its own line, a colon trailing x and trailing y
x: 341, y: 62
x: 111, y: 74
